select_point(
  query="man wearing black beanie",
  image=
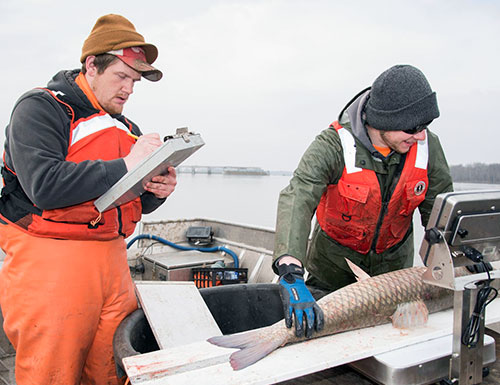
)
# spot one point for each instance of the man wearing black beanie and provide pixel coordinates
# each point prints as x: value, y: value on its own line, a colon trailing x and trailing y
x: 363, y: 176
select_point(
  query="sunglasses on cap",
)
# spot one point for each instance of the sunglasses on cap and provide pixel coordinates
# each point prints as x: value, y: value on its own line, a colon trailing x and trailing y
x: 417, y: 129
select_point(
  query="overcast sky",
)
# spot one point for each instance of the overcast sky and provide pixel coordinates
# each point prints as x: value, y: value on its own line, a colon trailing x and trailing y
x: 260, y: 79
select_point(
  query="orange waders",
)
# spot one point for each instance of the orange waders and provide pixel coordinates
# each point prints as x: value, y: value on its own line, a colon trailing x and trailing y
x: 62, y: 301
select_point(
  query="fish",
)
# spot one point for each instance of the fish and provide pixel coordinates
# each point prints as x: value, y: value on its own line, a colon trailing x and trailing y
x: 400, y: 297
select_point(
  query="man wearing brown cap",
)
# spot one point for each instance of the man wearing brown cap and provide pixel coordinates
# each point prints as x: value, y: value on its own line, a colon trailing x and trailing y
x: 65, y: 283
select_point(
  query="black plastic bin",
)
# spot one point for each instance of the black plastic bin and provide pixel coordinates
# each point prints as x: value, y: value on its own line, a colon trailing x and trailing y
x: 235, y: 308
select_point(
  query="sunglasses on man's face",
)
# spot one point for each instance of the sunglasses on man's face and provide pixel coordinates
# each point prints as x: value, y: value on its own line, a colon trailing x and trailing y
x: 415, y: 130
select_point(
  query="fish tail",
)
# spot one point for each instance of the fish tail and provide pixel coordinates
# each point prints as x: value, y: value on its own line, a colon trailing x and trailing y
x: 254, y: 345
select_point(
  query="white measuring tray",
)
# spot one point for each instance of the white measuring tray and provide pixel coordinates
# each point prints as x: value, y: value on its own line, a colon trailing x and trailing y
x: 423, y: 363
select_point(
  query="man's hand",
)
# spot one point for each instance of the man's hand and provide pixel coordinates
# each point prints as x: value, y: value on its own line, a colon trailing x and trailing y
x: 162, y: 185
x: 144, y: 146
x: 298, y: 302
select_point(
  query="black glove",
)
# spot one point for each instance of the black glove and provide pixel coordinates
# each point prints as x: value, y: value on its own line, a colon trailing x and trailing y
x: 298, y: 300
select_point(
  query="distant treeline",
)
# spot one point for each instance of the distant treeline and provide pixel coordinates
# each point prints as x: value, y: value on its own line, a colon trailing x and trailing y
x: 476, y: 173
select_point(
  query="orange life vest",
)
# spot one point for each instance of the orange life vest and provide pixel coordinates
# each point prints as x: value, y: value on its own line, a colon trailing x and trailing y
x: 98, y: 136
x: 352, y: 212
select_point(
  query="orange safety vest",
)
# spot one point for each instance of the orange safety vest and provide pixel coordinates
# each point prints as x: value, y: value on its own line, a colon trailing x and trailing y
x: 352, y: 212
x: 98, y: 136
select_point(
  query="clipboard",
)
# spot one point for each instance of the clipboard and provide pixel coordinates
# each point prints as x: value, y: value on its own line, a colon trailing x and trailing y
x: 173, y: 152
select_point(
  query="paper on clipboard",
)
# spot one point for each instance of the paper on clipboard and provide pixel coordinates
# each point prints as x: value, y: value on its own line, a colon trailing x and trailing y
x: 172, y: 153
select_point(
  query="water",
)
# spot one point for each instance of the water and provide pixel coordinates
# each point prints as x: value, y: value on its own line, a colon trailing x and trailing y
x: 251, y: 200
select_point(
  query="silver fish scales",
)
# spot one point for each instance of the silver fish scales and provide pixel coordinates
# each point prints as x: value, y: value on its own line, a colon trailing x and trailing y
x: 369, y: 302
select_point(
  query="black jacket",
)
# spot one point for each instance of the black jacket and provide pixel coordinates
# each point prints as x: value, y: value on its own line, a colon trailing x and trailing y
x: 36, y: 174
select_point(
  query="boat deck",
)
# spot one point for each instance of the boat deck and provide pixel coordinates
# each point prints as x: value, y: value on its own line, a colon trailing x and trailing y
x: 341, y: 375
x: 7, y: 359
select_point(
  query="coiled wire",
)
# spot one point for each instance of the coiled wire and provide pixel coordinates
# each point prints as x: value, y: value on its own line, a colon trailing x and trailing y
x: 470, y: 335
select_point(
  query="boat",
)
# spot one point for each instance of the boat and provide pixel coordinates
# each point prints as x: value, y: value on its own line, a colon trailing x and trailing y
x: 246, y: 305
x: 200, y: 250
x: 253, y: 245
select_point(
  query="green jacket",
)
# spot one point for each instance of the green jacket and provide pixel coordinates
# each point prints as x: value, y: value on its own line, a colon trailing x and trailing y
x: 322, y: 164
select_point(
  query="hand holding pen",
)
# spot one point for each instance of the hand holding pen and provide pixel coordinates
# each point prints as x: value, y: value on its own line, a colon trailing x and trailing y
x: 144, y: 146
x: 161, y: 185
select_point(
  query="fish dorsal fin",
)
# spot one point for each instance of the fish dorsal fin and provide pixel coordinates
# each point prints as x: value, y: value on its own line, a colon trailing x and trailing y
x: 357, y: 271
x: 410, y: 314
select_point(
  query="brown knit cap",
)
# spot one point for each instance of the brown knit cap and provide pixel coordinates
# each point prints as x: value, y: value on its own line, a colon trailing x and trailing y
x: 114, y: 32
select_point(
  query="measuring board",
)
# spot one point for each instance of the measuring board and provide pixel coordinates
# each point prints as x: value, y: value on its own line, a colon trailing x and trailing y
x: 176, y: 312
x: 203, y: 363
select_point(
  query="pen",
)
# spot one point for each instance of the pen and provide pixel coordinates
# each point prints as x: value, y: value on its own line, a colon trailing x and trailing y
x: 132, y: 135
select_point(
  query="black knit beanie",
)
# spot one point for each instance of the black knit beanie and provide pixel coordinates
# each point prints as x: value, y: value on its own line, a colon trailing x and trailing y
x: 400, y: 99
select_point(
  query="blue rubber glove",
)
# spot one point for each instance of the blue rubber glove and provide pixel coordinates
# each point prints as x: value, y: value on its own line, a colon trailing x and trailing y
x: 298, y: 301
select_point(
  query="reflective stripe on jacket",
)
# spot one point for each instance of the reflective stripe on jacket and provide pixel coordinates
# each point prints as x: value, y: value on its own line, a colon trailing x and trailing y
x: 97, y: 136
x: 352, y: 212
